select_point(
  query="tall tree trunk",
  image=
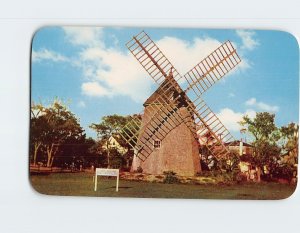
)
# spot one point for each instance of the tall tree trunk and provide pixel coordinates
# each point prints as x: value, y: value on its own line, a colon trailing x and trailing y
x: 258, y: 172
x: 51, y: 151
x: 108, y: 159
x: 258, y: 166
x: 49, y: 155
x: 51, y: 162
x: 36, y: 148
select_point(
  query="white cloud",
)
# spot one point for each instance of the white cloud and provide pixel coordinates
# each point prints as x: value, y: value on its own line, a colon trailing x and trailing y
x: 230, y: 118
x: 122, y: 74
x: 94, y: 89
x: 45, y: 54
x: 231, y: 95
x: 261, y: 105
x: 266, y: 107
x: 248, y: 40
x: 184, y: 55
x: 110, y: 72
x: 88, y: 36
x: 81, y: 104
x: 251, y: 102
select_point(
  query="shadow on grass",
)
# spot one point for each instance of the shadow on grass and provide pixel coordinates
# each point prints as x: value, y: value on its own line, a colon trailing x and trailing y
x: 120, y: 187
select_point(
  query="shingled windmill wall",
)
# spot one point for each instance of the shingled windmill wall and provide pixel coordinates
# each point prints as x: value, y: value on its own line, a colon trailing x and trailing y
x: 179, y: 151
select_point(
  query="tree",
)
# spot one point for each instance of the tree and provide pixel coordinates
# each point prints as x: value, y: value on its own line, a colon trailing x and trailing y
x: 36, y: 130
x: 109, y: 126
x: 52, y: 127
x: 289, y: 143
x: 266, y: 136
x: 77, y: 151
x: 290, y: 138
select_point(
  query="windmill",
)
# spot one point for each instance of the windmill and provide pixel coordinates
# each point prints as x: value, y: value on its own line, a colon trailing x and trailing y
x: 175, y: 115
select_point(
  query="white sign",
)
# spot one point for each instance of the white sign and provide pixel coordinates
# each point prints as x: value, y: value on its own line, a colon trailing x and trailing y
x: 107, y: 172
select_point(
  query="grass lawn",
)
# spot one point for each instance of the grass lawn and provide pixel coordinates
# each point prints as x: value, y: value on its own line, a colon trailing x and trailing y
x: 80, y: 184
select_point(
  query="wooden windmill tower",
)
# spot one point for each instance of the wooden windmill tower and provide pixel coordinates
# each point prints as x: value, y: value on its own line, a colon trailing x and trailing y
x: 167, y: 137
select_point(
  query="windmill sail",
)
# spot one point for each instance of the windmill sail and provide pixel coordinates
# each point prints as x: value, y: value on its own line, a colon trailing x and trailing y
x: 212, y: 68
x: 200, y: 78
x: 151, y: 58
x: 208, y: 122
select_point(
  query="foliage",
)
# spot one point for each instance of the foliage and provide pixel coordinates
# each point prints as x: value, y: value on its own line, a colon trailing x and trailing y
x: 262, y: 127
x: 277, y: 148
x: 285, y: 171
x: 116, y: 159
x: 290, y: 142
x: 229, y: 177
x: 37, y: 133
x: 210, y: 163
x: 78, y: 153
x: 139, y: 169
x: 228, y: 165
x: 240, y: 177
x: 57, y: 139
x: 52, y: 127
x: 170, y: 177
x: 109, y: 126
x: 266, y: 136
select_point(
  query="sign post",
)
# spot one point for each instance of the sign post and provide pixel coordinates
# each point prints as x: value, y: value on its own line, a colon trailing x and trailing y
x: 107, y: 172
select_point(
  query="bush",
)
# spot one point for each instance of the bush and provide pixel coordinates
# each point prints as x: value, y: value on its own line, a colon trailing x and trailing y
x: 116, y: 159
x: 284, y: 172
x: 170, y: 177
x: 240, y: 177
x: 139, y: 169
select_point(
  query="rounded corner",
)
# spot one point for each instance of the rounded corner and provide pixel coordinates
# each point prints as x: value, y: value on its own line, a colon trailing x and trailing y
x: 34, y: 188
x: 292, y: 194
x: 292, y: 36
x: 37, y: 31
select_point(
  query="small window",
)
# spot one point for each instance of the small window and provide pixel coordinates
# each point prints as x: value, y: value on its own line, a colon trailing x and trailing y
x: 157, y: 144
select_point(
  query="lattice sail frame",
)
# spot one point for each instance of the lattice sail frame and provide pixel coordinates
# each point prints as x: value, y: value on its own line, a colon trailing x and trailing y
x: 166, y: 115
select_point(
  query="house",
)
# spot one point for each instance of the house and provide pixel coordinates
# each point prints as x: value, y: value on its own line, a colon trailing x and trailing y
x: 114, y: 142
x: 240, y: 147
x: 245, y: 151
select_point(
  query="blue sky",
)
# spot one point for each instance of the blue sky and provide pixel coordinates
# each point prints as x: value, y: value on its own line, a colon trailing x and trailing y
x: 91, y: 68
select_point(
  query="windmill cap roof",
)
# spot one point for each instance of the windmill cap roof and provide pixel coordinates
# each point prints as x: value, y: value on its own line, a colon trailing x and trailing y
x: 162, y: 91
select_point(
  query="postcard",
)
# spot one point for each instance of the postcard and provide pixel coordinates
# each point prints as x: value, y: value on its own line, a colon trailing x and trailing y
x: 164, y: 112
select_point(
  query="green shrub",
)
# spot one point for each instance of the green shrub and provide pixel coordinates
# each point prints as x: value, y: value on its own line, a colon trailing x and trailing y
x: 170, y: 177
x: 139, y: 169
x: 240, y: 178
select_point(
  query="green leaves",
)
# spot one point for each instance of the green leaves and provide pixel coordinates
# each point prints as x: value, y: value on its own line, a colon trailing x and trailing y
x: 262, y: 127
x: 271, y: 143
x: 266, y: 136
x: 109, y: 125
x: 53, y: 126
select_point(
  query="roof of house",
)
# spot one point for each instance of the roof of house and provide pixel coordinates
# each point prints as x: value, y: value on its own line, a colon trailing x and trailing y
x: 237, y: 143
x: 118, y: 139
